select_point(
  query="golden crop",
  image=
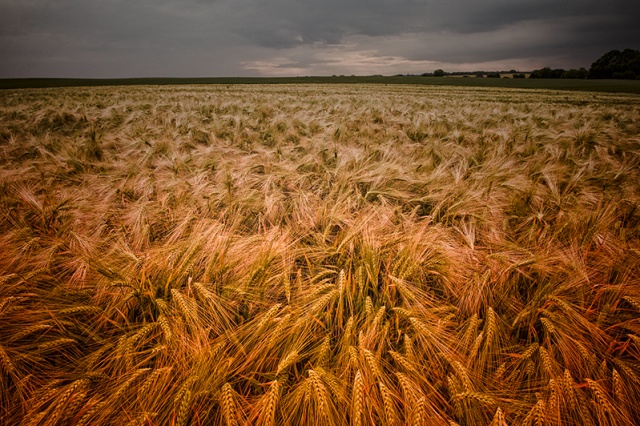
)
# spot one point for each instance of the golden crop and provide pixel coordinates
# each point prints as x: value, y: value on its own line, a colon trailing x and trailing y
x: 319, y: 255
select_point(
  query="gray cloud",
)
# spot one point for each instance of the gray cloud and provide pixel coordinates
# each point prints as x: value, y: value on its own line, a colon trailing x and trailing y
x: 118, y: 38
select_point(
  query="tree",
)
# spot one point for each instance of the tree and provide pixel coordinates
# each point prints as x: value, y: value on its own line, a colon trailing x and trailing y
x: 581, y: 73
x: 547, y: 72
x: 617, y: 64
x: 438, y: 73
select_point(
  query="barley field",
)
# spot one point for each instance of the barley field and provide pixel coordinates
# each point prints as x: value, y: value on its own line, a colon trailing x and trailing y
x: 319, y: 255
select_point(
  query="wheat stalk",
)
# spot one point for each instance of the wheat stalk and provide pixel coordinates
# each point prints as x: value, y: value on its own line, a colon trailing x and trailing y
x: 62, y: 402
x: 391, y: 416
x: 378, y: 317
x: 360, y: 279
x: 166, y: 328
x: 536, y: 416
x: 286, y: 362
x: 341, y: 282
x: 530, y: 351
x: 633, y: 301
x: 273, y: 396
x: 408, y: 347
x: 162, y: 305
x: 120, y: 391
x: 490, y: 326
x: 6, y: 362
x: 471, y: 329
x: 228, y: 404
x: 419, y: 413
x: 357, y: 398
x: 287, y: 286
x: 601, y: 396
x: 498, y: 418
x: 368, y: 306
x: 87, y: 416
x: 354, y: 356
x: 548, y: 325
x: 80, y: 310
x: 553, y: 399
x: 476, y: 346
x: 321, y: 394
x: 348, y: 329
x: 185, y: 306
x: 267, y: 316
x: 370, y: 358
x: 325, y: 350
x: 618, y: 389
x: 402, y: 361
x: 546, y: 360
x: 56, y: 344
x: 183, y: 408
x: 150, y: 380
x: 475, y: 396
x: 498, y: 375
x: 462, y: 373
x: 408, y: 389
x: 568, y: 385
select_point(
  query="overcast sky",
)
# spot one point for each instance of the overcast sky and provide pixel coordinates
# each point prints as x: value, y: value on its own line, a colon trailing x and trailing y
x: 202, y: 38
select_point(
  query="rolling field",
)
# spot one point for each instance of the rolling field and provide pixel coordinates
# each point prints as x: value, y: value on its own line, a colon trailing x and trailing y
x: 597, y: 85
x: 319, y: 255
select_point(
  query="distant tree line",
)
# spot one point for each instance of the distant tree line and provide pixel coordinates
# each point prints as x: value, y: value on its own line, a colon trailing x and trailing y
x: 614, y: 64
x: 547, y: 72
x: 483, y: 74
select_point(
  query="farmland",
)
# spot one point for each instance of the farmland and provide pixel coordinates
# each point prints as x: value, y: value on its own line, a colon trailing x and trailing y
x: 319, y: 254
x: 609, y: 85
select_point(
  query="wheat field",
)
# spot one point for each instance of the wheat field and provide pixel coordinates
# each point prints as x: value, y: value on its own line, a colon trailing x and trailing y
x: 319, y: 255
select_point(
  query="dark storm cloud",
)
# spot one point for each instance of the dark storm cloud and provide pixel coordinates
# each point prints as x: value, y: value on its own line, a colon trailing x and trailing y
x: 330, y: 20
x: 234, y: 37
